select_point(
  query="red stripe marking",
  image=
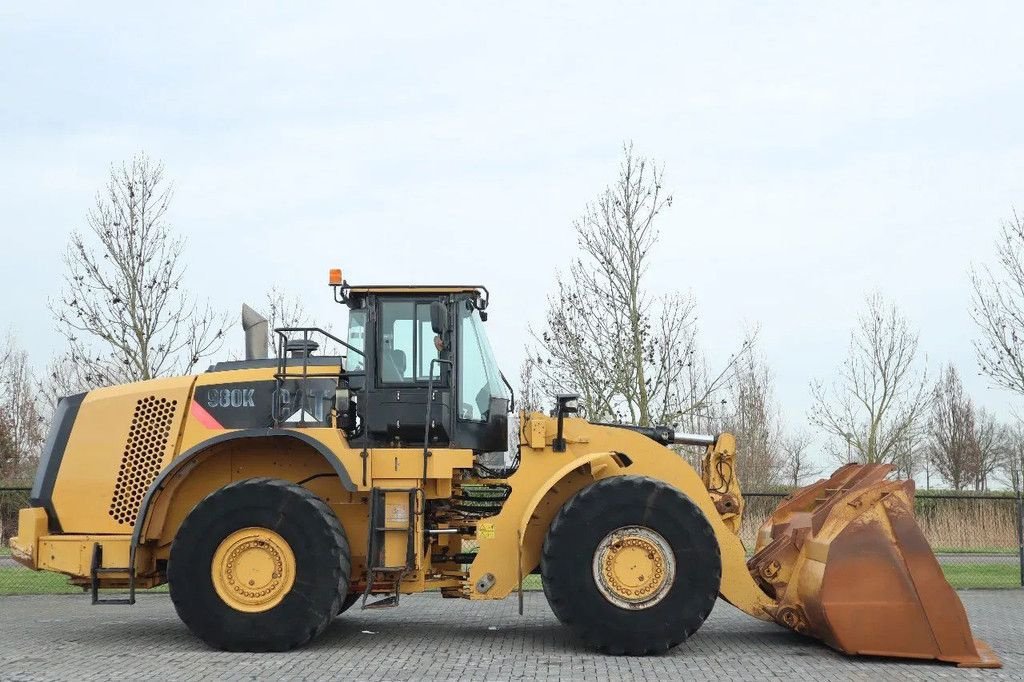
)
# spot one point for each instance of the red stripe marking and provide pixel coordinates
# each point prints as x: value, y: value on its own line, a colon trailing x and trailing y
x: 204, y: 417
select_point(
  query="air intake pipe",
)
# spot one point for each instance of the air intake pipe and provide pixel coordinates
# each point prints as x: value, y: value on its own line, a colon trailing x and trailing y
x: 256, y: 329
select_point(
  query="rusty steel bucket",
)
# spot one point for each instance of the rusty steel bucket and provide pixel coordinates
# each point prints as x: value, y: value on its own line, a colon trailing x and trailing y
x: 847, y: 563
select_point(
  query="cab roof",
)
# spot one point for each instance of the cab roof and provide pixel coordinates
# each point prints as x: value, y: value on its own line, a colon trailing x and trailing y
x: 352, y: 295
x: 416, y: 289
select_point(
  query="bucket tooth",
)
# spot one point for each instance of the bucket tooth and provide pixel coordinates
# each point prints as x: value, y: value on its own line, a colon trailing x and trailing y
x: 847, y: 563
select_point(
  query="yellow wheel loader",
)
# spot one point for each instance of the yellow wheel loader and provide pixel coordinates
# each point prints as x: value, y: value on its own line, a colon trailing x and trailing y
x: 274, y: 493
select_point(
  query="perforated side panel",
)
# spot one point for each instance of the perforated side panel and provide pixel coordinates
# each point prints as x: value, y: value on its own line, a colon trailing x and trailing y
x: 143, y: 455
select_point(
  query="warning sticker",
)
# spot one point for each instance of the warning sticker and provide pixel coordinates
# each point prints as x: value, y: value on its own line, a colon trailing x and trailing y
x: 397, y: 513
x: 485, y: 531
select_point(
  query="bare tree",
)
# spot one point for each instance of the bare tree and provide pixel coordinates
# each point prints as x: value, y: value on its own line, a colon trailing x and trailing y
x: 879, y: 398
x: 630, y: 355
x: 283, y: 310
x: 124, y: 311
x: 798, y: 466
x: 989, y: 448
x: 21, y: 415
x: 951, y: 429
x: 911, y: 454
x: 927, y: 465
x: 65, y: 375
x: 752, y: 415
x: 998, y: 309
x: 1011, y: 469
x: 530, y: 398
x: 8, y: 451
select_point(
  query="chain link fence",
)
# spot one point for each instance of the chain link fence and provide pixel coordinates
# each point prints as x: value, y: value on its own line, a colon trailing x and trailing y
x: 15, y: 578
x: 977, y: 539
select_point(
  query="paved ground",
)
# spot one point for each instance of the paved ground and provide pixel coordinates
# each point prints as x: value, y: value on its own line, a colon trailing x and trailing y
x: 63, y: 637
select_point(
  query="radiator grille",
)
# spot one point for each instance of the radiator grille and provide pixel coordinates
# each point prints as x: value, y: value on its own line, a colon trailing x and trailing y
x: 144, y: 452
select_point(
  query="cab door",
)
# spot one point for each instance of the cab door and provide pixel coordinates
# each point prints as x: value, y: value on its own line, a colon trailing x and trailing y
x: 405, y: 345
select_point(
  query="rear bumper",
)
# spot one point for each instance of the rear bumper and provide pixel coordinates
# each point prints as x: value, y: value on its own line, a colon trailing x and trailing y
x: 32, y: 526
x: 35, y: 548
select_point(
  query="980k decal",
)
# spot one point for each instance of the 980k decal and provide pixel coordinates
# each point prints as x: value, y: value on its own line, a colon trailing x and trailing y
x: 230, y: 397
x: 251, y: 404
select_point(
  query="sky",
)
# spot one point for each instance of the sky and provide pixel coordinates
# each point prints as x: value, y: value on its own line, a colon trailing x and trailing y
x: 816, y: 151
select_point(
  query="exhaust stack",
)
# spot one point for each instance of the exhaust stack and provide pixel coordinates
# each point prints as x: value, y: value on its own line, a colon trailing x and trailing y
x: 256, y: 329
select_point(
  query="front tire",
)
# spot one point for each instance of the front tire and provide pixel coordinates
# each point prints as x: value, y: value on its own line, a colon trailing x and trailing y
x: 259, y: 565
x: 631, y: 565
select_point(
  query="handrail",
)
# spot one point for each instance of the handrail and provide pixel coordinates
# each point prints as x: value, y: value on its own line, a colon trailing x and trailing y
x: 282, y: 374
x: 332, y: 337
x: 426, y: 421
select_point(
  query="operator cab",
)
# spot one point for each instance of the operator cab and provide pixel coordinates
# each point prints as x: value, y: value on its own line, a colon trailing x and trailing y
x: 426, y: 368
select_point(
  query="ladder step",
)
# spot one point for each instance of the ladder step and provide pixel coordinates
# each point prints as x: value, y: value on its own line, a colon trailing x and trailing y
x: 96, y: 569
x: 460, y: 558
x: 388, y: 577
x: 385, y: 603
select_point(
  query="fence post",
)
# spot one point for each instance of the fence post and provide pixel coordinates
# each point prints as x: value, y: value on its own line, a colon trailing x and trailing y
x: 1020, y: 531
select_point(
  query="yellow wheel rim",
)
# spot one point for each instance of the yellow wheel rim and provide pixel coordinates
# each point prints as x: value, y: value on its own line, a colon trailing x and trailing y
x: 634, y: 567
x: 253, y: 569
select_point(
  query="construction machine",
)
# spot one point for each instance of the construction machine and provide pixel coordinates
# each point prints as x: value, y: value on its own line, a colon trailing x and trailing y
x: 273, y: 493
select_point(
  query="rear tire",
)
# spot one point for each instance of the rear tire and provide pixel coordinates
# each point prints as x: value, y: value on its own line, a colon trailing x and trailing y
x: 311, y: 547
x: 350, y: 599
x: 653, y: 515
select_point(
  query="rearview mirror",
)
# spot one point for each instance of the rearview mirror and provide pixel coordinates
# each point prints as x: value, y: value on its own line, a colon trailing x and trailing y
x: 438, y: 317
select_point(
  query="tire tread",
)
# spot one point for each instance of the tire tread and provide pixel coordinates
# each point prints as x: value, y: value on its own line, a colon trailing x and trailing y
x: 563, y: 540
x: 333, y: 537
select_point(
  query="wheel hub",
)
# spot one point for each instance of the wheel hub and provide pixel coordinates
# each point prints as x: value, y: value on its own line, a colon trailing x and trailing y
x: 634, y: 567
x: 253, y: 569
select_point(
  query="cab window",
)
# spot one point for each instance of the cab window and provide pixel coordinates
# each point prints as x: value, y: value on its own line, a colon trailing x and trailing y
x: 406, y: 342
x: 356, y: 339
x: 479, y: 379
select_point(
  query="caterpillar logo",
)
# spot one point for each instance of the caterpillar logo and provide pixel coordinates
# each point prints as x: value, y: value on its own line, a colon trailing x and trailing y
x: 231, y: 397
x: 254, y: 404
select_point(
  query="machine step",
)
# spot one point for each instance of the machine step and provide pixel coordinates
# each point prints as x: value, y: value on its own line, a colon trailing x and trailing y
x: 376, y: 553
x: 96, y: 569
x: 385, y: 603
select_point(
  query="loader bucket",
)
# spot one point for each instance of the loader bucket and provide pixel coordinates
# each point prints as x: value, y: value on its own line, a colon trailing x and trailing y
x: 847, y: 563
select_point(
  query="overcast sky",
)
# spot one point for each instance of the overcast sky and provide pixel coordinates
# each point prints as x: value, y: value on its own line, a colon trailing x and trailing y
x: 815, y: 153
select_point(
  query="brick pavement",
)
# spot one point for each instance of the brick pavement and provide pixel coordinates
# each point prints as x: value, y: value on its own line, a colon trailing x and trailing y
x: 63, y: 637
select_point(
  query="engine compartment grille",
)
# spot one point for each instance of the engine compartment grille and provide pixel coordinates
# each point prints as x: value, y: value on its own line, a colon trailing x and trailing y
x: 143, y: 457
